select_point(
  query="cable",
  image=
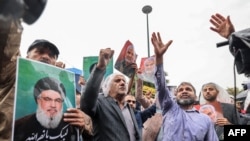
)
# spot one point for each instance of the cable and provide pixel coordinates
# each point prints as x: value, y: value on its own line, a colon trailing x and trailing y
x: 235, y: 91
x: 234, y: 73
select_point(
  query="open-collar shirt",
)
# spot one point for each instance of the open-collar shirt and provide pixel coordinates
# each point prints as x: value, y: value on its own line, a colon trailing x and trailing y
x: 178, y: 124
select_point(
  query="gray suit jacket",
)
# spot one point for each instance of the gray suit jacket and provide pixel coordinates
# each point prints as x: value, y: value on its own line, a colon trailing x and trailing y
x: 230, y: 112
x: 108, y: 121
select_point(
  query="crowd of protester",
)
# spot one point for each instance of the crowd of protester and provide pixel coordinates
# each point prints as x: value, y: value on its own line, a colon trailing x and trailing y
x: 105, y: 111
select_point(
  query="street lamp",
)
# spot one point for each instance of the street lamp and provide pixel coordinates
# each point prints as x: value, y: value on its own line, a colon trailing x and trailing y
x: 146, y: 10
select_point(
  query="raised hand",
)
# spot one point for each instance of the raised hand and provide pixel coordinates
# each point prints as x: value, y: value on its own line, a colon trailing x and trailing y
x: 60, y: 64
x: 159, y: 47
x: 104, y: 57
x: 223, y: 26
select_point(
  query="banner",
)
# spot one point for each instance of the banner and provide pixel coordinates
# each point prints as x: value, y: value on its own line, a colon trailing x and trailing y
x: 126, y: 61
x: 90, y: 61
x: 147, y: 69
x: 43, y: 93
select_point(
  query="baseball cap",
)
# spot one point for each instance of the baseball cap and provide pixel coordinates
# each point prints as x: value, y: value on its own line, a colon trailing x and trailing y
x: 44, y: 43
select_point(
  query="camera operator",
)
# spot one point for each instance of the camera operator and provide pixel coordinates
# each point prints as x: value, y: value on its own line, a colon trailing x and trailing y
x: 239, y: 46
x: 239, y: 42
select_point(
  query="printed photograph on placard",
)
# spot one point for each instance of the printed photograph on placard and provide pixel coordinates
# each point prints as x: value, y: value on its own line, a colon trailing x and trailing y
x: 90, y: 61
x: 43, y: 93
x: 147, y: 69
x: 126, y: 61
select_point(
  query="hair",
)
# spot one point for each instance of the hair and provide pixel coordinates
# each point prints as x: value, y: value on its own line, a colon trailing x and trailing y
x: 45, y: 44
x: 222, y: 95
x: 48, y: 83
x: 202, y: 107
x: 124, y: 50
x: 106, y: 85
x: 134, y: 57
x: 185, y: 83
x: 207, y: 106
x: 151, y: 58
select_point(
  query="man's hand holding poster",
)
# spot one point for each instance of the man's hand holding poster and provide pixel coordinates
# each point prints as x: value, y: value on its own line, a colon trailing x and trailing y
x: 43, y: 93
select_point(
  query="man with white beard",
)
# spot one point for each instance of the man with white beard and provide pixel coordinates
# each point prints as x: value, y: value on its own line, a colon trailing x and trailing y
x: 47, y: 123
x: 147, y: 73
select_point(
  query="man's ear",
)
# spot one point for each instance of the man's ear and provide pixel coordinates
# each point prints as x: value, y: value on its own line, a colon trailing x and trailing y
x: 27, y: 55
x: 217, y: 92
x: 175, y: 92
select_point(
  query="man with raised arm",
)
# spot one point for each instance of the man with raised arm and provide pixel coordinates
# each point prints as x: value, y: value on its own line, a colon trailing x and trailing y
x: 181, y: 121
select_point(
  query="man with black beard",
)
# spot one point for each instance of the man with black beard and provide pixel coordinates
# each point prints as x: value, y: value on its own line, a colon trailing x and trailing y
x: 181, y: 121
x: 47, y: 123
x: 213, y: 94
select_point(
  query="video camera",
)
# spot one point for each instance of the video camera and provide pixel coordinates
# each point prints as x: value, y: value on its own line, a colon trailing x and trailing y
x: 27, y: 10
x: 239, y: 46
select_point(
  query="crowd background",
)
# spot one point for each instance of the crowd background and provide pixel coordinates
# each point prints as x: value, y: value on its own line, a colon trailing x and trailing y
x: 100, y: 67
x: 86, y: 26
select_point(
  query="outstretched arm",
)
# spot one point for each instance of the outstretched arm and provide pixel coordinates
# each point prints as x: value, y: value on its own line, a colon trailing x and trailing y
x: 139, y: 94
x: 104, y: 57
x: 163, y: 92
x: 88, y: 102
x: 222, y: 25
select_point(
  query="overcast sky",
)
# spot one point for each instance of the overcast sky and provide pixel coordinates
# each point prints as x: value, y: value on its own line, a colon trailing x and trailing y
x: 82, y: 27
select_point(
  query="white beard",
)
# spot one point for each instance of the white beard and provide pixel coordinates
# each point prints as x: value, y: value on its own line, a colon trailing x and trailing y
x: 148, y: 71
x: 48, y: 122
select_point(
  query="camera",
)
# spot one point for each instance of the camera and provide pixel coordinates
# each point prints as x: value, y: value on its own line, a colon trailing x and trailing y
x: 246, y: 85
x: 27, y: 10
x: 239, y: 46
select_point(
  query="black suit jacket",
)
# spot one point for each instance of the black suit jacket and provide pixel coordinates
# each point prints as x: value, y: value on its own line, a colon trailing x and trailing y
x: 108, y: 121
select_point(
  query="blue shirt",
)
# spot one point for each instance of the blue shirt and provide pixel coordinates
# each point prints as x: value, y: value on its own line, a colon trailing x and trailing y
x: 178, y: 124
x: 142, y: 116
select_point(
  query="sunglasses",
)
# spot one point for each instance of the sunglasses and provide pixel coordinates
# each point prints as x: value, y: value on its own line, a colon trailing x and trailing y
x: 129, y: 101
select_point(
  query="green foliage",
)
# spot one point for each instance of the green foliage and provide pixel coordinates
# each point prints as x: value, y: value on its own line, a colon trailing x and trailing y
x: 232, y: 90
